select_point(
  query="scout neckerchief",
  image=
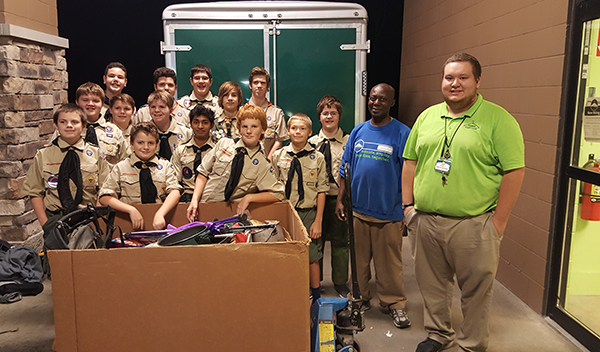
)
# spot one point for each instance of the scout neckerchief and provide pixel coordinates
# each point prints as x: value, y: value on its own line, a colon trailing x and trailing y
x: 90, y: 134
x: 296, y: 167
x: 325, y: 149
x: 198, y: 157
x: 147, y: 187
x: 70, y: 169
x: 164, y: 147
x: 236, y: 171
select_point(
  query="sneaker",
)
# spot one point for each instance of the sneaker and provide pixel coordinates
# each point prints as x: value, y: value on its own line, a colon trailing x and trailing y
x: 429, y: 345
x: 342, y: 290
x: 400, y: 318
x: 366, y: 305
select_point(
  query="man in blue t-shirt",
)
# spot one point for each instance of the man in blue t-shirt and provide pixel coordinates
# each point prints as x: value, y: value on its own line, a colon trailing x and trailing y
x: 374, y: 156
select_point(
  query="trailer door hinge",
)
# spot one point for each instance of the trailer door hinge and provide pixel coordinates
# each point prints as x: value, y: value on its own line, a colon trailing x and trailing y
x: 366, y: 46
x: 164, y: 48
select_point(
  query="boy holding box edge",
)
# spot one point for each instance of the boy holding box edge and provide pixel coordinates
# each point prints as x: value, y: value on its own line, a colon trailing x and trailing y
x: 238, y: 169
x: 142, y: 178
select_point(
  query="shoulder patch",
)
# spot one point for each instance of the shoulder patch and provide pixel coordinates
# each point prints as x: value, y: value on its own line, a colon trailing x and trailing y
x: 88, y: 152
x: 159, y: 166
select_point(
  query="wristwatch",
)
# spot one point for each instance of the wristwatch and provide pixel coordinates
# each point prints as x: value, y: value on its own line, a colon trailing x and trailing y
x: 406, y: 205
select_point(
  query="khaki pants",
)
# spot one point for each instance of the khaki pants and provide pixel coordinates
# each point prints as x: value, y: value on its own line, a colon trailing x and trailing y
x: 467, y: 247
x: 383, y: 243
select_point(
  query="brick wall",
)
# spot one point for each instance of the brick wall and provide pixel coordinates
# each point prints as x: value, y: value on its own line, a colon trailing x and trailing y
x: 520, y: 45
x: 33, y: 80
x: 39, y: 15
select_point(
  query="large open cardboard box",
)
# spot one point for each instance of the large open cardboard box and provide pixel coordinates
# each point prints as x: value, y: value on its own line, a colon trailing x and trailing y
x: 228, y: 297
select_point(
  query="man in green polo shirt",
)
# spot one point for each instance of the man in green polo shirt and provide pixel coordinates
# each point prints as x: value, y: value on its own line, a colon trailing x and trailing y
x: 463, y: 169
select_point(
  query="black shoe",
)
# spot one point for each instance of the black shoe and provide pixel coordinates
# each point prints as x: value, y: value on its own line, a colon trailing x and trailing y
x: 342, y: 290
x: 366, y: 305
x: 429, y: 345
x: 400, y: 318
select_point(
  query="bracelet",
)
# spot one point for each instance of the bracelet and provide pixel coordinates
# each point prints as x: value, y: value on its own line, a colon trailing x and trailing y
x: 406, y: 205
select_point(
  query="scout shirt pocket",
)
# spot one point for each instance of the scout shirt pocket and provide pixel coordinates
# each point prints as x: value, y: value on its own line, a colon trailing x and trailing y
x: 222, y: 164
x: 271, y: 127
x: 159, y: 177
x: 89, y: 176
x: 130, y: 188
x: 109, y: 147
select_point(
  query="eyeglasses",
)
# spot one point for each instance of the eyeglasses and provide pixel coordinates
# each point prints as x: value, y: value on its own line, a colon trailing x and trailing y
x: 332, y: 113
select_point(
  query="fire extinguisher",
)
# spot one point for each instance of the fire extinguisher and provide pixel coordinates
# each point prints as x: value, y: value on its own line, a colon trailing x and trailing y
x: 590, y: 200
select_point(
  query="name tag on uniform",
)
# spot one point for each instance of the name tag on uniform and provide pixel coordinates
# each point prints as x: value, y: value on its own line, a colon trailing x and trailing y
x: 442, y: 166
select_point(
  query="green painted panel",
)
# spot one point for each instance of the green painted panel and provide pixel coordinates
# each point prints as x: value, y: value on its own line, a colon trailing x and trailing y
x: 311, y: 64
x: 230, y: 54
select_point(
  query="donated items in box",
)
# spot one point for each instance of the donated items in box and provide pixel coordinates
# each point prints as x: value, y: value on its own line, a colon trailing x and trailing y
x: 189, y: 297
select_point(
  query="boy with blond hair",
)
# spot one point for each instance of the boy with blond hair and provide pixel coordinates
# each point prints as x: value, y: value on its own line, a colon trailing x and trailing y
x: 237, y: 169
x: 142, y: 178
x: 302, y: 168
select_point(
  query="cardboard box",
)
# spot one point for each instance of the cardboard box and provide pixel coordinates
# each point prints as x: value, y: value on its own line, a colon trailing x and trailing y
x: 228, y: 297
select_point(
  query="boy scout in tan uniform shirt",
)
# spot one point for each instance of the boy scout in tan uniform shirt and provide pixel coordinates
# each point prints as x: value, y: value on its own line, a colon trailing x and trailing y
x: 113, y: 146
x: 223, y: 126
x: 314, y: 176
x: 276, y: 129
x: 179, y: 134
x: 179, y: 114
x: 337, y: 145
x: 123, y: 182
x: 183, y: 162
x: 257, y: 174
x: 188, y: 102
x: 42, y: 176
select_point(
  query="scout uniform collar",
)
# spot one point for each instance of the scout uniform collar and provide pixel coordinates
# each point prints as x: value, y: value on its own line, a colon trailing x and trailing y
x: 192, y: 143
x: 134, y: 159
x: 339, y: 135
x: 264, y: 106
x: 469, y: 113
x: 251, y: 151
x: 194, y: 99
x: 308, y: 147
x: 59, y: 142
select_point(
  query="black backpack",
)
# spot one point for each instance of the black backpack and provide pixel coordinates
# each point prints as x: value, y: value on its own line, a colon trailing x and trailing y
x: 60, y: 234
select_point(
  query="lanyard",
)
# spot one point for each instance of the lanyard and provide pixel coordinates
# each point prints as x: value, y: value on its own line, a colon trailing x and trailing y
x: 446, y: 148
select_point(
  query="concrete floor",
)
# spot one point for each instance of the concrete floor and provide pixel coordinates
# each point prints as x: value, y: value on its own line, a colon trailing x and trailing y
x: 514, y: 326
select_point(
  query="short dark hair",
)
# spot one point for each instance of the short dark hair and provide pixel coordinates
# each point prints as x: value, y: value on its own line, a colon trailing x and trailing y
x: 464, y: 57
x: 201, y: 68
x: 329, y: 101
x: 117, y: 65
x: 259, y: 71
x: 201, y: 110
x: 164, y: 72
x: 70, y: 107
x: 147, y: 127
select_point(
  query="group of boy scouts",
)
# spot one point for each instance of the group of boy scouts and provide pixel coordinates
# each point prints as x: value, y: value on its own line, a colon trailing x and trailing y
x: 450, y: 182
